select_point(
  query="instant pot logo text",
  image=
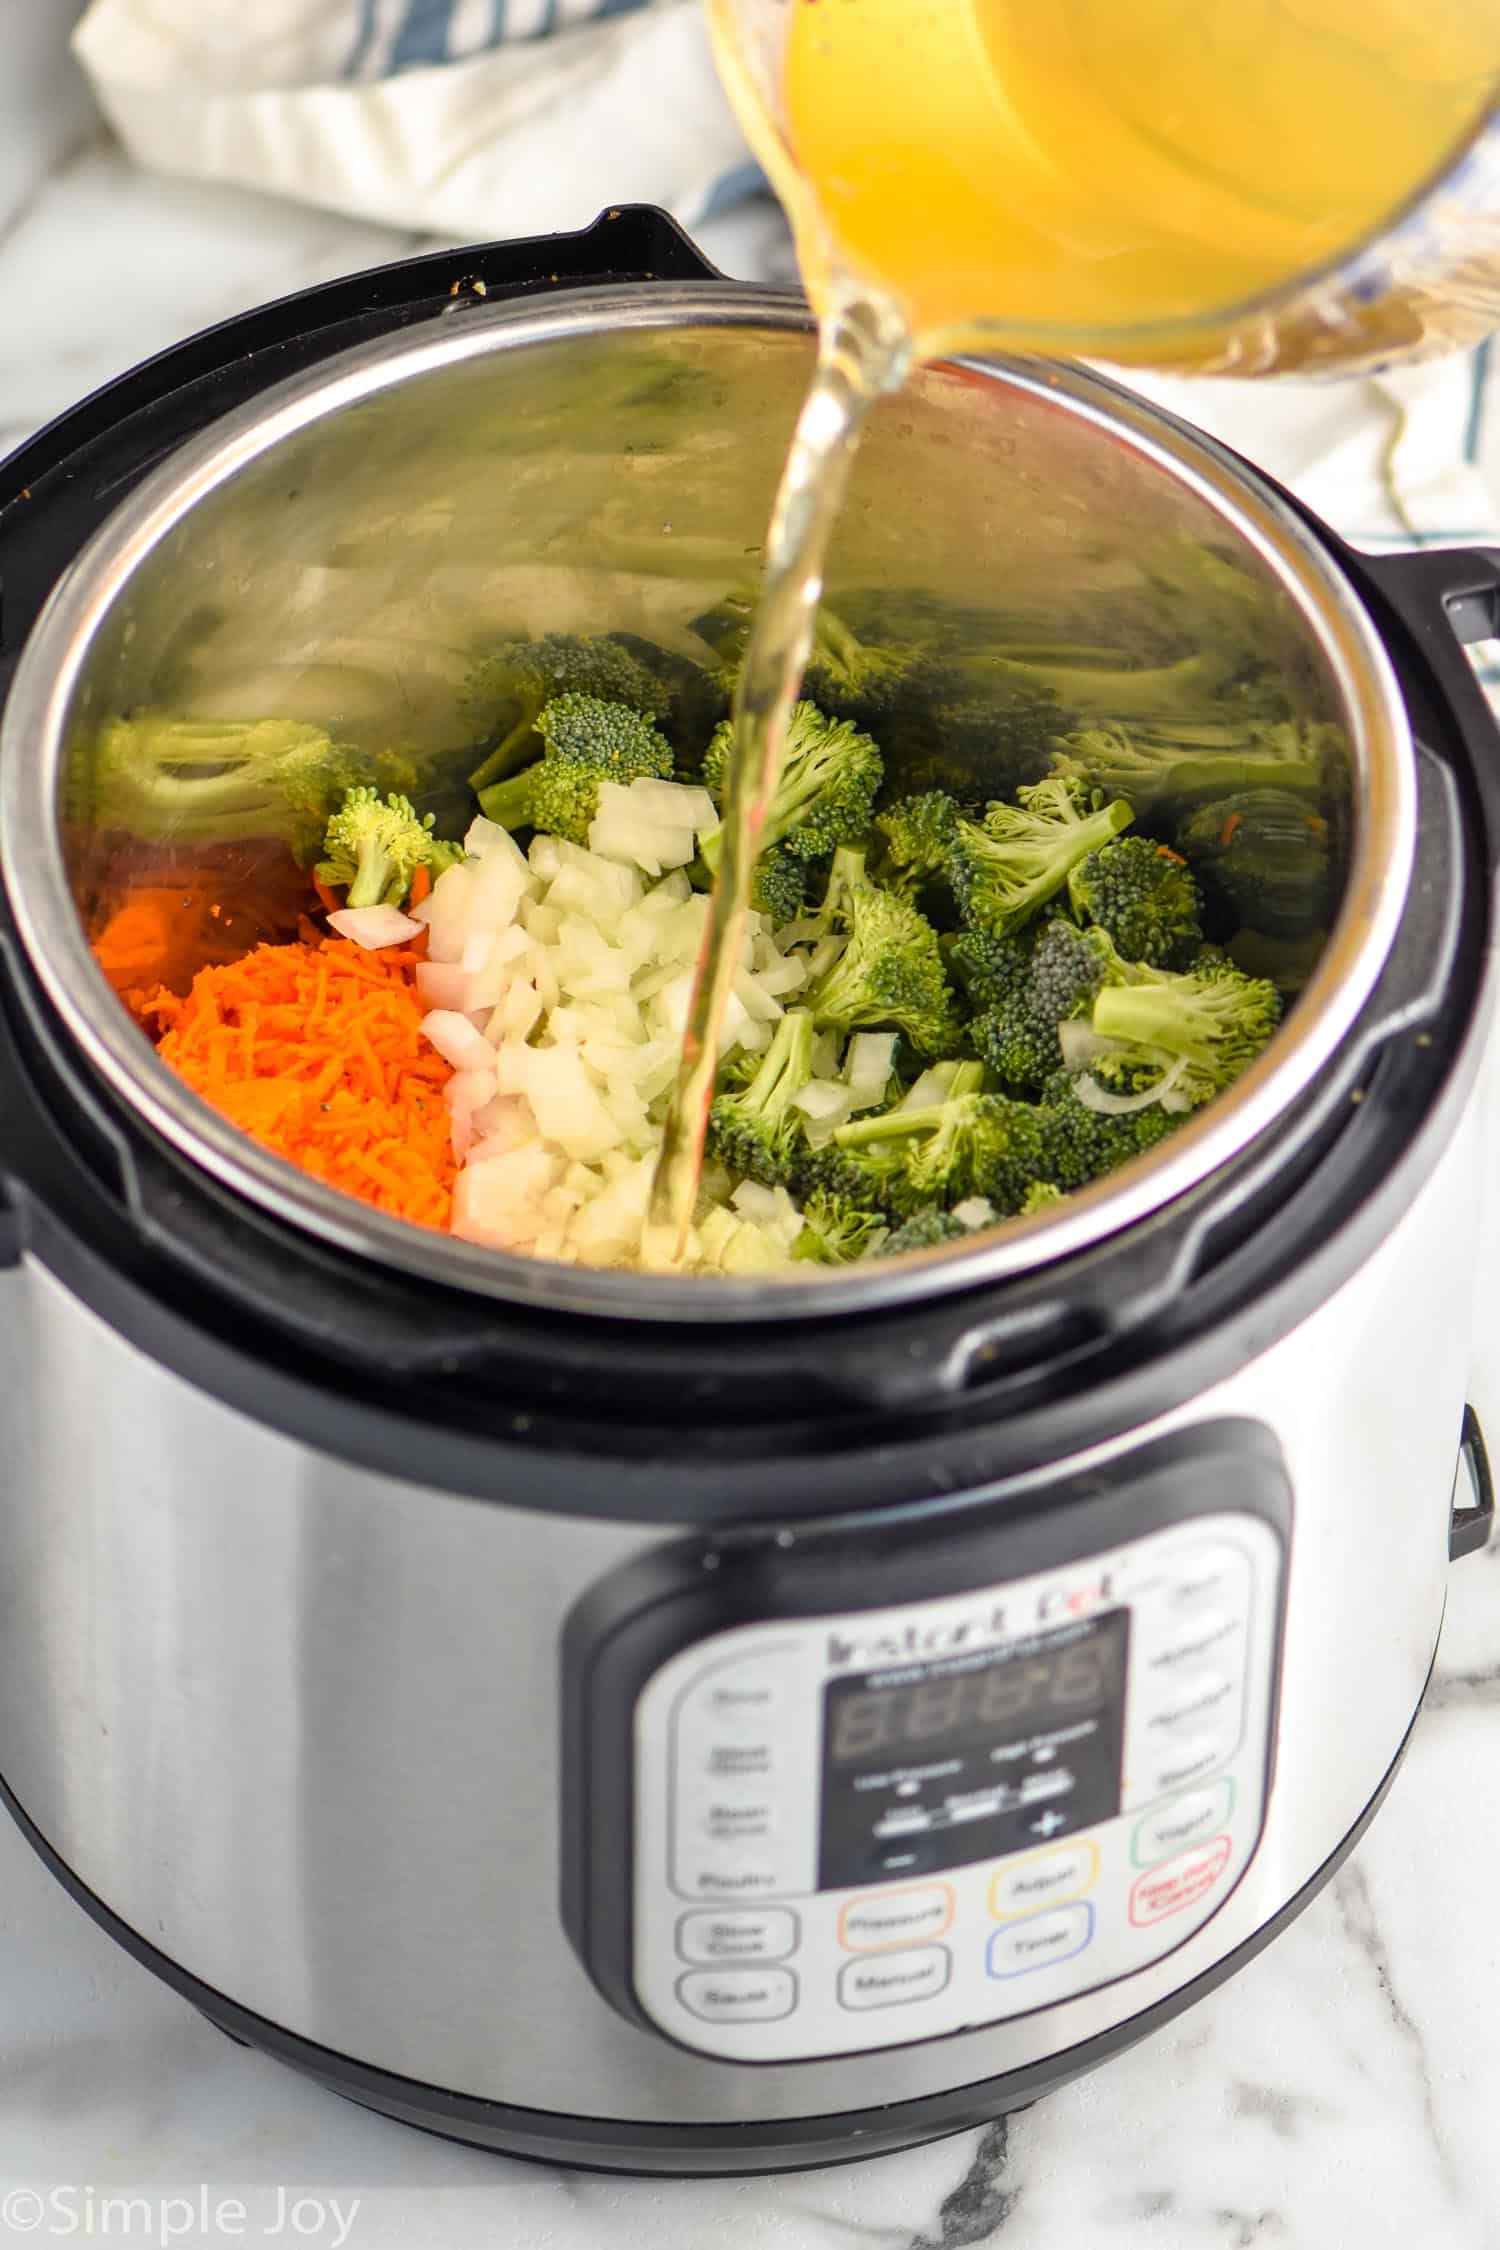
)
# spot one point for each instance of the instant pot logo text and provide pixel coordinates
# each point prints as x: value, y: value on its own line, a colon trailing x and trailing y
x: 918, y: 1640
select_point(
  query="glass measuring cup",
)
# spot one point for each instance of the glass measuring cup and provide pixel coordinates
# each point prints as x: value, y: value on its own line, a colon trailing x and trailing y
x: 1227, y: 186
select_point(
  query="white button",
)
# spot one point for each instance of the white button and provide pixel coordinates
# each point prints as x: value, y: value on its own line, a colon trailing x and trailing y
x: 724, y: 1817
x: 1193, y: 1696
x: 1048, y: 1878
x: 1039, y: 1940
x: 738, y: 1995
x: 1190, y: 1637
x: 1217, y: 1572
x: 1178, y: 1883
x: 744, y: 1698
x: 729, y: 1876
x: 886, y: 1918
x: 1181, y: 1821
x: 766, y: 1933
x: 892, y: 1979
x: 1192, y: 1759
x: 734, y: 1760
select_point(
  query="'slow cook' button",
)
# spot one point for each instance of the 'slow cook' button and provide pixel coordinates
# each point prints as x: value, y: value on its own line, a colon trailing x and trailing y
x: 892, y: 1979
x: 1178, y: 1883
x: 1047, y: 1878
x: 889, y: 1918
x: 738, y: 1995
x: 1039, y: 1940
x: 1181, y: 1821
x: 767, y: 1933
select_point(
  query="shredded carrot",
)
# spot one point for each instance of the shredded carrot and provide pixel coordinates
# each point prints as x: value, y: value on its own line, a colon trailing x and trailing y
x: 421, y: 887
x: 1226, y: 833
x: 316, y: 1052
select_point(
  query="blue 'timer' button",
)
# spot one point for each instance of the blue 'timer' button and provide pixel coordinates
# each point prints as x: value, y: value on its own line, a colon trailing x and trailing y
x: 1037, y: 1940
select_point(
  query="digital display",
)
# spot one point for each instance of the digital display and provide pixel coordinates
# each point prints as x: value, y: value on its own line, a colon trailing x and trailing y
x: 956, y: 1705
x: 966, y: 1757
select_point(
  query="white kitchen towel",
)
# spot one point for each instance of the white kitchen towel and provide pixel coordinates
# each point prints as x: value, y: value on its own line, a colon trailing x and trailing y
x: 465, y: 119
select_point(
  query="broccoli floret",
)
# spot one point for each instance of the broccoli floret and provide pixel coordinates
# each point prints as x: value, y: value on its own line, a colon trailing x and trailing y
x: 925, y: 1230
x: 890, y: 973
x: 172, y: 780
x: 1042, y: 1195
x: 587, y: 742
x: 1192, y: 1034
x: 778, y: 888
x: 919, y: 833
x: 1144, y: 896
x: 1264, y: 855
x: 825, y: 793
x: 375, y: 846
x: 1034, y: 989
x: 835, y: 1231
x: 1004, y: 872
x: 1079, y: 1144
x: 757, y: 1132
x: 1182, y: 763
x: 506, y: 692
x: 970, y: 1144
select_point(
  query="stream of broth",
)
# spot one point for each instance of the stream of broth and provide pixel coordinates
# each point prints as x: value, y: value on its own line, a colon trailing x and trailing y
x: 1106, y: 173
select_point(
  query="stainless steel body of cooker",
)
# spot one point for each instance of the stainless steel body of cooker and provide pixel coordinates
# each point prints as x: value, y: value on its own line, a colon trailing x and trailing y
x: 646, y: 1724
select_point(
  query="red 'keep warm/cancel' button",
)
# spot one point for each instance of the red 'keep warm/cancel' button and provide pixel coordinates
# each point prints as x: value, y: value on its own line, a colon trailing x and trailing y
x: 1178, y: 1882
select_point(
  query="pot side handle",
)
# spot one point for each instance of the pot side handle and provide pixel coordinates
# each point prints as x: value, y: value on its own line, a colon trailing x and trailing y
x: 1433, y: 604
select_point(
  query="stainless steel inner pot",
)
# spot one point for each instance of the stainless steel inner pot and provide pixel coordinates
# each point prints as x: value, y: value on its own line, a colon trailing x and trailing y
x: 605, y: 460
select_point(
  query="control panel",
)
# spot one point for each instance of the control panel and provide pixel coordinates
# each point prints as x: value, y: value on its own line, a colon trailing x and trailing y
x: 870, y: 1826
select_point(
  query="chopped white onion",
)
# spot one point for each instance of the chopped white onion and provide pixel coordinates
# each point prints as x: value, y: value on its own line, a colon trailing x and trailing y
x: 374, y: 926
x: 457, y: 1040
x: 1105, y: 1104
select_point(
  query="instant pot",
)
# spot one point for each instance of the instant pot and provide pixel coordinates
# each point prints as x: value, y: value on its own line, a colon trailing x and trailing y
x: 678, y: 1725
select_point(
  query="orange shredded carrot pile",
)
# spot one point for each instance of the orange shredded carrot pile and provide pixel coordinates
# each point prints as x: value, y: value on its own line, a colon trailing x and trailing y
x: 315, y: 1051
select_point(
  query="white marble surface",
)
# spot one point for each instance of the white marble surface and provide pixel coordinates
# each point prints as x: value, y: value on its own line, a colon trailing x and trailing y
x: 1342, y: 2091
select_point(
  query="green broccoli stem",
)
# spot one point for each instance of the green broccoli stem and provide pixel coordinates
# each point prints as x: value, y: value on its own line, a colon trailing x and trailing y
x: 372, y: 874
x: 898, y: 1124
x: 785, y: 1069
x: 508, y: 803
x: 1138, y: 692
x: 1161, y: 1016
x: 503, y: 760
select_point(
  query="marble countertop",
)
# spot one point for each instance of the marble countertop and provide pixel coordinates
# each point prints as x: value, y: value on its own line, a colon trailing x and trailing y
x: 1342, y: 2090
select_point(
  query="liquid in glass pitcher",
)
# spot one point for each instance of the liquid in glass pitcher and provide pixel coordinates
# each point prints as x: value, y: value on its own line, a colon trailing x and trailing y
x: 1229, y: 186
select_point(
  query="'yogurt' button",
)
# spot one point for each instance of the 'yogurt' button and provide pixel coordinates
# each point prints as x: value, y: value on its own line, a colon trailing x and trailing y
x: 1181, y: 1821
x: 743, y: 1933
x: 1178, y: 1883
x: 890, y: 1980
x: 1048, y: 1878
x: 1039, y: 1940
x: 738, y: 1995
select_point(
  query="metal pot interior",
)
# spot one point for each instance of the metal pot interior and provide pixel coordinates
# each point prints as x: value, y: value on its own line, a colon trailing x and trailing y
x: 342, y: 551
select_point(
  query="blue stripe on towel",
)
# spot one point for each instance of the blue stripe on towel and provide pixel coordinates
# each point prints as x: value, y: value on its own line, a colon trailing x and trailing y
x: 364, y: 35
x: 1474, y: 429
x: 734, y: 186
x: 423, y: 37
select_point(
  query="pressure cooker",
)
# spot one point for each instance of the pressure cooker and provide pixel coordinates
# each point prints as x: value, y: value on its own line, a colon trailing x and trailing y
x: 676, y: 1724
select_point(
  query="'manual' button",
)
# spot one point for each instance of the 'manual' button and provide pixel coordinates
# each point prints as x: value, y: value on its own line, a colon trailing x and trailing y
x: 893, y: 1979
